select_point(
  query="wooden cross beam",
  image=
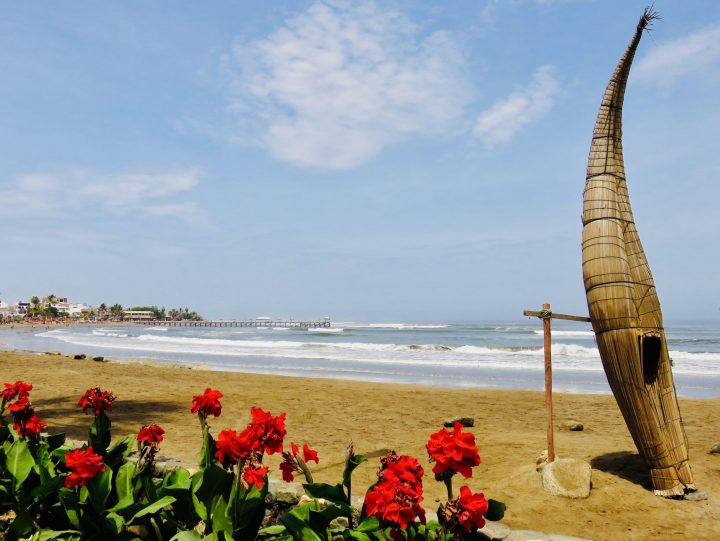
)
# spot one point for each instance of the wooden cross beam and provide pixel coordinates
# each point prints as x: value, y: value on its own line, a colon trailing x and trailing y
x: 546, y: 315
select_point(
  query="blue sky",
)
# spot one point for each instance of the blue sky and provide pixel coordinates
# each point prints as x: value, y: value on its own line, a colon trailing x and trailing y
x: 408, y: 160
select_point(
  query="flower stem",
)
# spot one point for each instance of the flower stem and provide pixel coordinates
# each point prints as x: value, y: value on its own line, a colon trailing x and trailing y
x: 448, y: 484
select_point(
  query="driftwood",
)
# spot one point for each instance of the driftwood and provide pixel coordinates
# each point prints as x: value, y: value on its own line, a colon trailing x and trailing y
x: 623, y: 302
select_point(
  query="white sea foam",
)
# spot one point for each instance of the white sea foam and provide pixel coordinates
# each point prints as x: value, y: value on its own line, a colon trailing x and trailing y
x: 568, y: 334
x: 157, y: 329
x: 397, y: 326
x: 325, y: 330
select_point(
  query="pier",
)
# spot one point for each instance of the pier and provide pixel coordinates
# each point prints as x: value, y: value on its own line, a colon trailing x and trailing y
x: 291, y: 324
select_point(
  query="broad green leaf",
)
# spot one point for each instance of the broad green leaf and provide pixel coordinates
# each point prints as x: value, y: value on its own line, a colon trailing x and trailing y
x: 350, y: 466
x: 116, y: 522
x: 54, y: 441
x: 273, y: 530
x: 119, y: 451
x: 332, y: 493
x: 496, y: 510
x: 48, y: 487
x: 153, y: 507
x: 99, y: 433
x: 359, y: 536
x: 99, y: 489
x: 71, y: 506
x: 23, y: 523
x: 370, y: 524
x: 187, y: 535
x: 124, y: 487
x: 46, y: 535
x: 220, y: 519
x: 19, y: 462
x: 250, y: 512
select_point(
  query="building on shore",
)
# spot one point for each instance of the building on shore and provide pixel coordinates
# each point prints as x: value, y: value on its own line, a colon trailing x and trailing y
x: 139, y: 315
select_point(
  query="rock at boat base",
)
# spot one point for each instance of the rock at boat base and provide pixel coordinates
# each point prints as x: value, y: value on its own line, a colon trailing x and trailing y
x: 696, y: 496
x: 715, y: 449
x: 572, y: 426
x: 567, y: 477
x: 467, y: 422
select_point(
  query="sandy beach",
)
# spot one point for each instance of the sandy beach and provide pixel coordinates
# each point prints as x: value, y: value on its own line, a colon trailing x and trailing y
x: 509, y: 428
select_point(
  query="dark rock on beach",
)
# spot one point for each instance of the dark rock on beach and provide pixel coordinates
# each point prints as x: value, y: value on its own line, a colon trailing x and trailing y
x: 464, y: 421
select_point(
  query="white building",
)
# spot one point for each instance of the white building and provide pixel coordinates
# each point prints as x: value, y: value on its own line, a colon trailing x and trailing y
x: 139, y: 315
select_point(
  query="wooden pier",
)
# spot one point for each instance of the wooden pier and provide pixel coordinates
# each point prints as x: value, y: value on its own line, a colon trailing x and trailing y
x: 277, y: 323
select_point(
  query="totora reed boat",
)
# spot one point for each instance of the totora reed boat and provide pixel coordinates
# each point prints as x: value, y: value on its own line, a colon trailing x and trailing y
x: 623, y: 302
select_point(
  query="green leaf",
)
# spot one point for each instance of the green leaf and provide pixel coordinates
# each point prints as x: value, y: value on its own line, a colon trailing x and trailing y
x: 332, y: 493
x: 119, y: 451
x: 19, y: 462
x: 23, y: 523
x: 250, y: 512
x: 116, y: 522
x: 187, y: 535
x: 207, y: 453
x: 54, y: 441
x: 273, y: 530
x: 71, y: 506
x: 496, y: 510
x: 153, y: 507
x: 99, y: 433
x: 176, y: 480
x: 370, y: 524
x: 48, y: 487
x: 124, y: 487
x: 99, y: 489
x: 206, y: 484
x: 219, y: 517
x: 46, y: 535
x: 359, y: 536
x: 350, y: 466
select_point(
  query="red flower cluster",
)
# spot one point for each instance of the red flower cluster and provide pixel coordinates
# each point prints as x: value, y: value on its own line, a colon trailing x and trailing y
x: 397, y: 496
x: 292, y: 462
x: 151, y: 434
x: 264, y: 434
x: 465, y: 512
x: 83, y: 465
x: 27, y: 424
x: 207, y: 404
x: 97, y: 400
x: 453, y: 451
x: 19, y: 389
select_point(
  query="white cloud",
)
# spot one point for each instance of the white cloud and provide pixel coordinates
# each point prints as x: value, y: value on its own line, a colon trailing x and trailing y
x: 340, y: 82
x: 507, y: 117
x: 59, y: 192
x: 670, y: 61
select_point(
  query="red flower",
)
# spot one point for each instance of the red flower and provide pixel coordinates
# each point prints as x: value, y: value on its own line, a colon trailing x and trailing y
x: 472, y: 507
x: 310, y: 454
x: 83, y: 465
x: 97, y: 400
x: 207, y: 404
x: 255, y: 476
x: 397, y: 496
x: 267, y: 431
x: 152, y: 434
x: 19, y: 389
x: 288, y: 468
x: 22, y: 409
x: 30, y: 427
x: 454, y: 451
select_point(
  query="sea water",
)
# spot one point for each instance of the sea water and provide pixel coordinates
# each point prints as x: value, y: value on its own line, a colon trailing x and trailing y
x: 491, y: 355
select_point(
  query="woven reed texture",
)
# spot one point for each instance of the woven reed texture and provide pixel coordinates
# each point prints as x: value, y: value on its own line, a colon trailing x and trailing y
x: 622, y: 300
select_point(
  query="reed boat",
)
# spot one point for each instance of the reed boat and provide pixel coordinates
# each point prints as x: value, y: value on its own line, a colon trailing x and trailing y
x: 622, y: 299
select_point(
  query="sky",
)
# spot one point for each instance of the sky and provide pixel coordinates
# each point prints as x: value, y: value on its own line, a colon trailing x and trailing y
x: 371, y: 161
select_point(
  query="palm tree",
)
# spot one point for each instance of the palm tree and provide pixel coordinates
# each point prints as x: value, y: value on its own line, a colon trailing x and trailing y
x: 117, y: 311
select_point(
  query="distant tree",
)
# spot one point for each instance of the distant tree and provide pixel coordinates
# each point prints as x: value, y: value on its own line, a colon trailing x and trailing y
x: 117, y: 311
x: 34, y: 300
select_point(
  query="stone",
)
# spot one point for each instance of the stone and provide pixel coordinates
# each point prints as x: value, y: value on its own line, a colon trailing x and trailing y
x: 573, y: 426
x: 495, y: 531
x: 286, y: 493
x: 696, y: 496
x: 715, y: 449
x: 567, y: 477
x: 99, y: 359
x: 542, y: 459
x: 339, y: 523
x: 79, y: 356
x: 464, y: 421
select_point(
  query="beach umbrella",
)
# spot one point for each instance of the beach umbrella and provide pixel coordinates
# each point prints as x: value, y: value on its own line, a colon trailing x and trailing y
x: 622, y: 299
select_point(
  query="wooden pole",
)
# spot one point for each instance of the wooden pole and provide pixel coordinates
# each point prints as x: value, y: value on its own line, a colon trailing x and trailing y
x: 548, y: 382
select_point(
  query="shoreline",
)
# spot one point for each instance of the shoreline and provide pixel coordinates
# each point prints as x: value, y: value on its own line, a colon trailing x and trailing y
x: 327, y: 414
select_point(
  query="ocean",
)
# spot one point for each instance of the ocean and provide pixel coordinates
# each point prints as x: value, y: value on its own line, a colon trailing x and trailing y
x: 490, y: 355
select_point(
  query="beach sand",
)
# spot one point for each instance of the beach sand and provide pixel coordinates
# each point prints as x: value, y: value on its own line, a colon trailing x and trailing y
x: 327, y: 414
